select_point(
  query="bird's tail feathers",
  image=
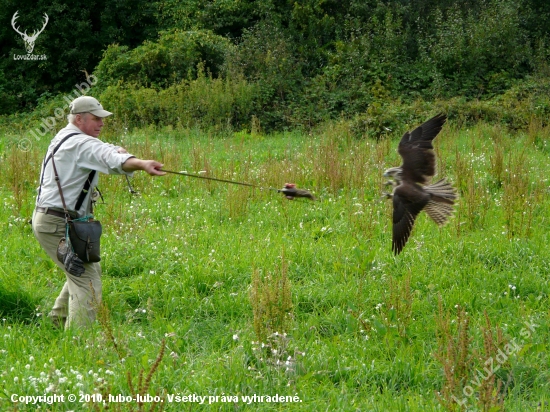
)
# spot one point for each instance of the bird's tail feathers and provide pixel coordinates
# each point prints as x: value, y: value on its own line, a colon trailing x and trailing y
x: 441, y: 205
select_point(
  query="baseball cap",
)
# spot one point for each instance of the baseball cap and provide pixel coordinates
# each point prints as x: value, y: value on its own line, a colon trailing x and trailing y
x: 88, y: 104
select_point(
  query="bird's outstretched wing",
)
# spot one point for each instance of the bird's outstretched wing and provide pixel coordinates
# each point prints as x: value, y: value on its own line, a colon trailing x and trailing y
x: 416, y: 149
x: 408, y: 202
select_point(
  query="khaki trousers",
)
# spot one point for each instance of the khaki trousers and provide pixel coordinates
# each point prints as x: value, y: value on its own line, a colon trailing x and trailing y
x: 80, y: 297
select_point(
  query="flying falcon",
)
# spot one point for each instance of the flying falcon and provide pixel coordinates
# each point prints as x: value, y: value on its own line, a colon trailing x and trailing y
x: 412, y: 191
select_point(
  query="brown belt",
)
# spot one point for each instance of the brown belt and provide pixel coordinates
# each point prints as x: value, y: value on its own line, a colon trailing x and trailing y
x: 54, y: 212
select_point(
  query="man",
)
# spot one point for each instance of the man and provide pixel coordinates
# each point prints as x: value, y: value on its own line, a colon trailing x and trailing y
x: 75, y: 159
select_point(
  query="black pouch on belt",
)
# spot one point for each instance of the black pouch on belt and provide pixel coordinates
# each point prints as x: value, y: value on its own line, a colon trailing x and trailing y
x: 85, y: 238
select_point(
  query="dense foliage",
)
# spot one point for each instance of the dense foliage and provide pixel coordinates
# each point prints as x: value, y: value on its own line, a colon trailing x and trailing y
x: 305, y: 61
x: 73, y: 40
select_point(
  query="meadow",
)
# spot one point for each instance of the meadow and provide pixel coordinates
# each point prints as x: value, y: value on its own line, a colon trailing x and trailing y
x: 216, y: 292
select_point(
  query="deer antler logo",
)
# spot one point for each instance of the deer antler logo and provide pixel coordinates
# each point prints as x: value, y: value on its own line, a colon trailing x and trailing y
x: 29, y: 40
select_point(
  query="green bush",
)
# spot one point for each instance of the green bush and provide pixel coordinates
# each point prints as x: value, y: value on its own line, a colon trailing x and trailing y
x: 171, y: 59
x: 477, y: 54
x: 72, y: 40
x: 267, y: 57
x: 204, y: 102
x: 524, y: 104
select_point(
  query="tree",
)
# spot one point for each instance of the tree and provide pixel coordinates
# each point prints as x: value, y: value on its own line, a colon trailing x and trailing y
x: 72, y: 41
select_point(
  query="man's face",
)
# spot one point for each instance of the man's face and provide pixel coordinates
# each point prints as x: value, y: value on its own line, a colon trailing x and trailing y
x: 89, y: 123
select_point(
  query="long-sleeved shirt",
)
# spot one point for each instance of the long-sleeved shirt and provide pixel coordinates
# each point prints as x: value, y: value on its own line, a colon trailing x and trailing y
x: 74, y: 160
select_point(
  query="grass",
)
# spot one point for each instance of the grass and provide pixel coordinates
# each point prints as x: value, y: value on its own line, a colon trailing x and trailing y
x: 187, y: 266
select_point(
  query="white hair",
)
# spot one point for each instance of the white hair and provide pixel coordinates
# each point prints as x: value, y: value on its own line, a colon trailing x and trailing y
x: 71, y: 117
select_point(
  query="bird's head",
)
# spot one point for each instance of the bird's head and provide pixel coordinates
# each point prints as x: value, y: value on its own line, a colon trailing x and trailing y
x: 395, y: 173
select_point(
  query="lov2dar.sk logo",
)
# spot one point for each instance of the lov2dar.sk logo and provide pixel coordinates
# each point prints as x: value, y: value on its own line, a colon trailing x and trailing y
x: 29, y: 40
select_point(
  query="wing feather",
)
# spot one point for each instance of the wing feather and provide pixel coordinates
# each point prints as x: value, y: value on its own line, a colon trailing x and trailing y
x: 416, y: 149
x: 408, y: 202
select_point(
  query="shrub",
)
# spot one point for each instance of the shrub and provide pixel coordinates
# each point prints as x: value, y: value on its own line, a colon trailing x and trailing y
x: 204, y: 102
x: 479, y: 53
x: 173, y: 58
x: 267, y: 57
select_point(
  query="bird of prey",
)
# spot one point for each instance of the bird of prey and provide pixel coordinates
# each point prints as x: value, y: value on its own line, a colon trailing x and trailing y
x: 412, y: 191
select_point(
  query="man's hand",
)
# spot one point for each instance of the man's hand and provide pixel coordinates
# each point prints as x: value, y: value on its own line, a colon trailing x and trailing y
x: 122, y: 150
x: 153, y: 168
x: 150, y: 166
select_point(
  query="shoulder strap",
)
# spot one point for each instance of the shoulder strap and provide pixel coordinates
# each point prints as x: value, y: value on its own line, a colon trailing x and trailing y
x: 67, y: 217
x: 85, y: 190
x: 47, y: 159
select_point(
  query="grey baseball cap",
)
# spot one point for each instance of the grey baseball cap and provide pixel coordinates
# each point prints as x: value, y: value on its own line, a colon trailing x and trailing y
x: 88, y: 104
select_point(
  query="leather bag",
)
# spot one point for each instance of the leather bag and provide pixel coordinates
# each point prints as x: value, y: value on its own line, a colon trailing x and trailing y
x: 85, y: 239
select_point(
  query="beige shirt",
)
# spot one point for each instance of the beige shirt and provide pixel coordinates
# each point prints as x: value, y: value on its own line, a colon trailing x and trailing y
x: 74, y: 160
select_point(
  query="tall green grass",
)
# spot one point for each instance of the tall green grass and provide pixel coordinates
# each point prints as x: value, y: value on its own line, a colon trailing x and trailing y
x: 364, y: 331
